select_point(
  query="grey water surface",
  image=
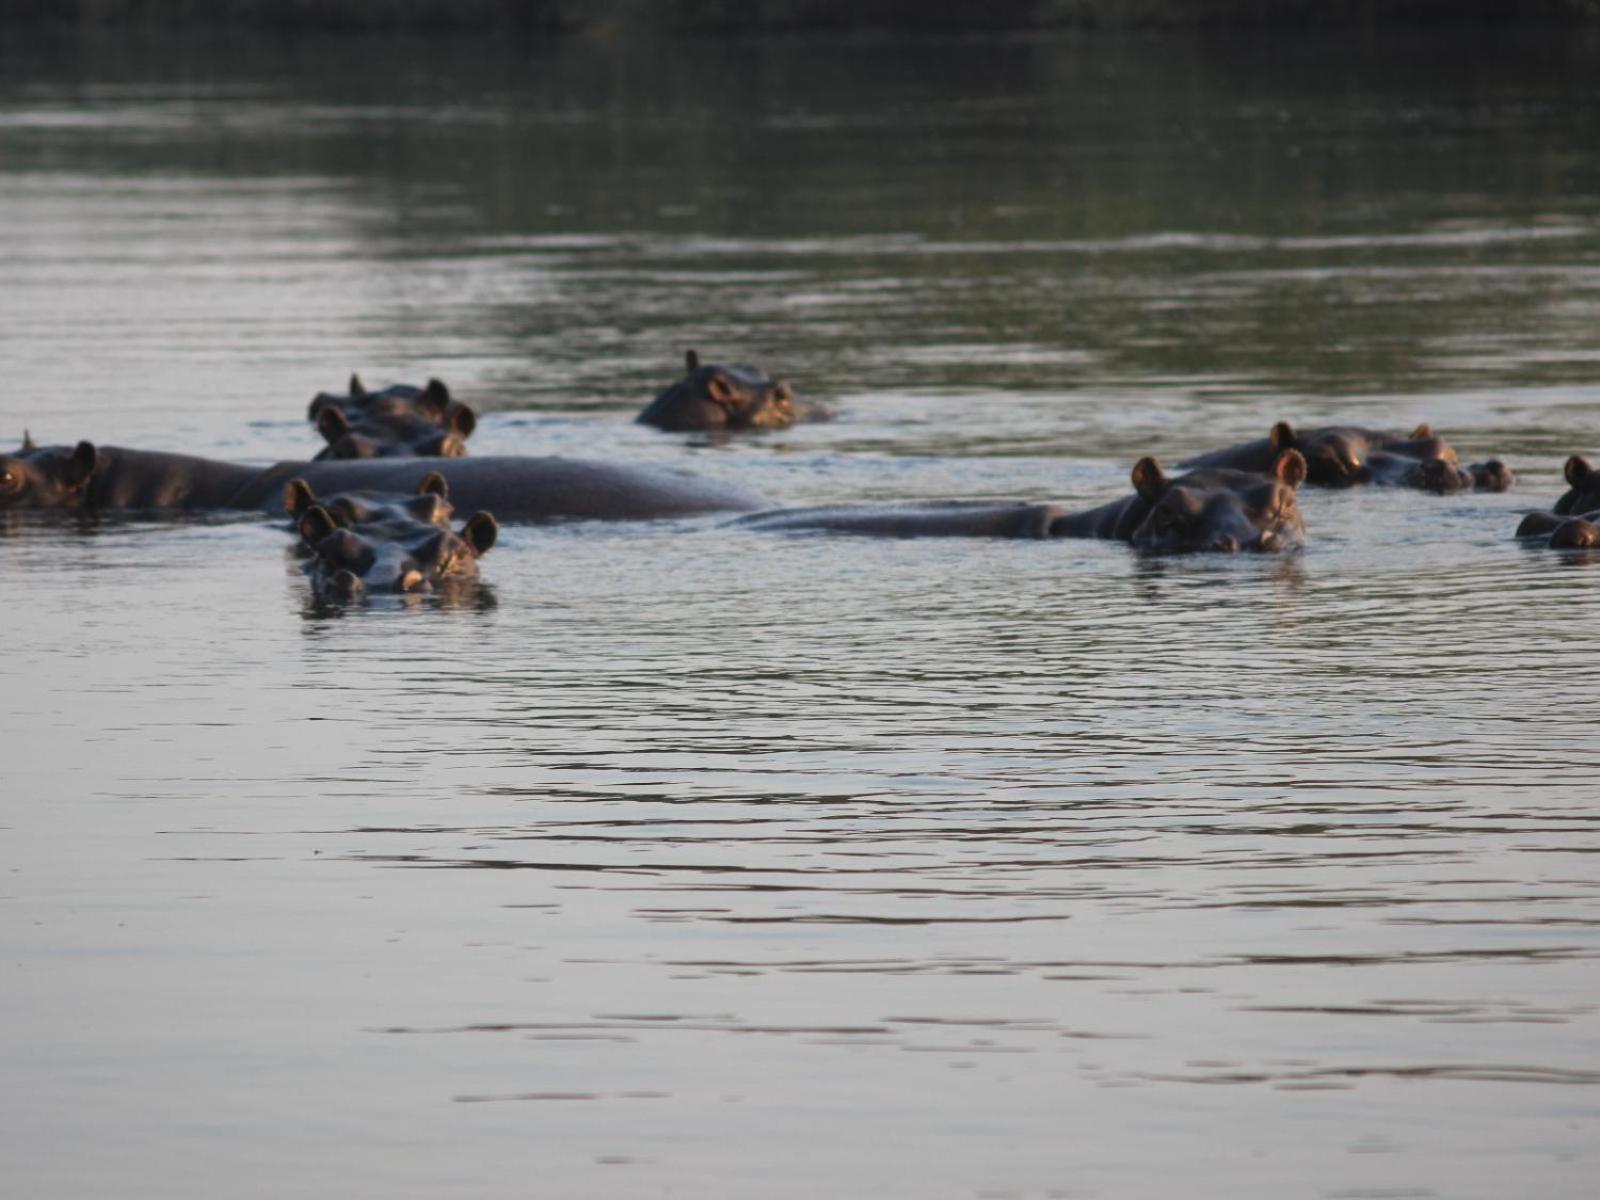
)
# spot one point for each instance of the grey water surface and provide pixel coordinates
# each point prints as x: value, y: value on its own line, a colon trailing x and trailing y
x: 682, y: 861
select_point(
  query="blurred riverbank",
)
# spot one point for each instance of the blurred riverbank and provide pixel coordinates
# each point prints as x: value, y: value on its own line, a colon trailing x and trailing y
x: 611, y: 16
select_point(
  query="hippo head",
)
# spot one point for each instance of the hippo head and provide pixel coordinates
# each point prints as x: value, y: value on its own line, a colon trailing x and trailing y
x: 1226, y: 511
x: 714, y: 397
x: 46, y: 476
x: 349, y: 562
x: 1583, y: 487
x: 429, y: 505
x: 1334, y: 457
x: 1491, y: 475
x: 398, y: 436
x: 399, y: 422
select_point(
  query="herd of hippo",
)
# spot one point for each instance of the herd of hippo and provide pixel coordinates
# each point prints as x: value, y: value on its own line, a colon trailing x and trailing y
x: 374, y: 509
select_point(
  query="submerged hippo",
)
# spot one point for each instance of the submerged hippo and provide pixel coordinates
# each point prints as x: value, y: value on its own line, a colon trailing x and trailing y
x: 1573, y: 523
x: 728, y: 399
x: 346, y: 561
x: 1346, y: 455
x: 399, y: 421
x: 111, y: 478
x: 1216, y: 509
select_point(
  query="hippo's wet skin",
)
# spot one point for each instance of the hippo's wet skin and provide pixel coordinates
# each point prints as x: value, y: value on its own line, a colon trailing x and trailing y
x: 1216, y: 509
x: 111, y: 478
x: 1346, y: 455
x: 727, y: 400
x: 397, y: 422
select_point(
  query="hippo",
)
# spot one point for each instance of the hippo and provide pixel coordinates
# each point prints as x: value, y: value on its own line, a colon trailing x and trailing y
x: 1346, y: 455
x: 1573, y: 522
x: 388, y: 437
x: 399, y: 421
x: 347, y: 561
x: 1563, y: 531
x: 726, y: 400
x: 111, y: 478
x: 1212, y: 509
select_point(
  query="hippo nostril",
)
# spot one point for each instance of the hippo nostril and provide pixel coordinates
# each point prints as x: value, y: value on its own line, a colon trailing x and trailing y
x: 1226, y: 544
x: 345, y: 585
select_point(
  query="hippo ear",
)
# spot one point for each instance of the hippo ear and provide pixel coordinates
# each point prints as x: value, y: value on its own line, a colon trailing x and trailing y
x: 80, y: 466
x: 434, y: 484
x: 1421, y: 431
x: 27, y: 441
x: 721, y: 392
x: 436, y: 397
x: 480, y: 532
x: 461, y: 420
x: 316, y: 523
x: 332, y: 424
x: 1148, y: 479
x: 297, y: 496
x: 691, y: 361
x: 1290, y: 468
x: 1282, y: 436
x: 1578, y: 471
x: 357, y: 388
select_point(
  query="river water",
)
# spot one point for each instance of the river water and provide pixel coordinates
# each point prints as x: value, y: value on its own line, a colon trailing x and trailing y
x: 679, y: 861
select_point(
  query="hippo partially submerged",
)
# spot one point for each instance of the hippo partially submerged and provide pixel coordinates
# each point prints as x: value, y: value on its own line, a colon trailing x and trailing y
x: 400, y: 421
x: 393, y: 554
x: 1573, y: 522
x: 1213, y: 509
x: 111, y: 478
x: 1347, y: 455
x: 728, y: 400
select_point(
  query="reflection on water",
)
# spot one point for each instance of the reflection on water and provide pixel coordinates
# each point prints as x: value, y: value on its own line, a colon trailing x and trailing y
x: 672, y: 857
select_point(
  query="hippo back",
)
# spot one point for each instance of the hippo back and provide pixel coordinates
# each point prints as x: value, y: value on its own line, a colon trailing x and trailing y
x: 521, y: 489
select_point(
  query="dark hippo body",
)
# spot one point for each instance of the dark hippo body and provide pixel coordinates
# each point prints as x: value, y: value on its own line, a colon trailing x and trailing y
x: 513, y: 488
x: 722, y: 399
x: 1346, y: 455
x: 517, y: 488
x: 1562, y: 531
x: 1573, y: 523
x: 956, y: 518
x: 1213, y: 509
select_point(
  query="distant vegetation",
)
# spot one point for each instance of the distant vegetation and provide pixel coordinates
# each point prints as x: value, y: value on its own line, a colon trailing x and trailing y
x: 748, y: 15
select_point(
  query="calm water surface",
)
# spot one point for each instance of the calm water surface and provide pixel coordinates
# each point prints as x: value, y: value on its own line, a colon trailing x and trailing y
x: 683, y: 861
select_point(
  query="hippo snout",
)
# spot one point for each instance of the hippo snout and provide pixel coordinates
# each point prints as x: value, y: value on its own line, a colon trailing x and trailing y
x: 1576, y: 534
x: 1491, y: 476
x: 344, y: 586
x: 1442, y: 476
